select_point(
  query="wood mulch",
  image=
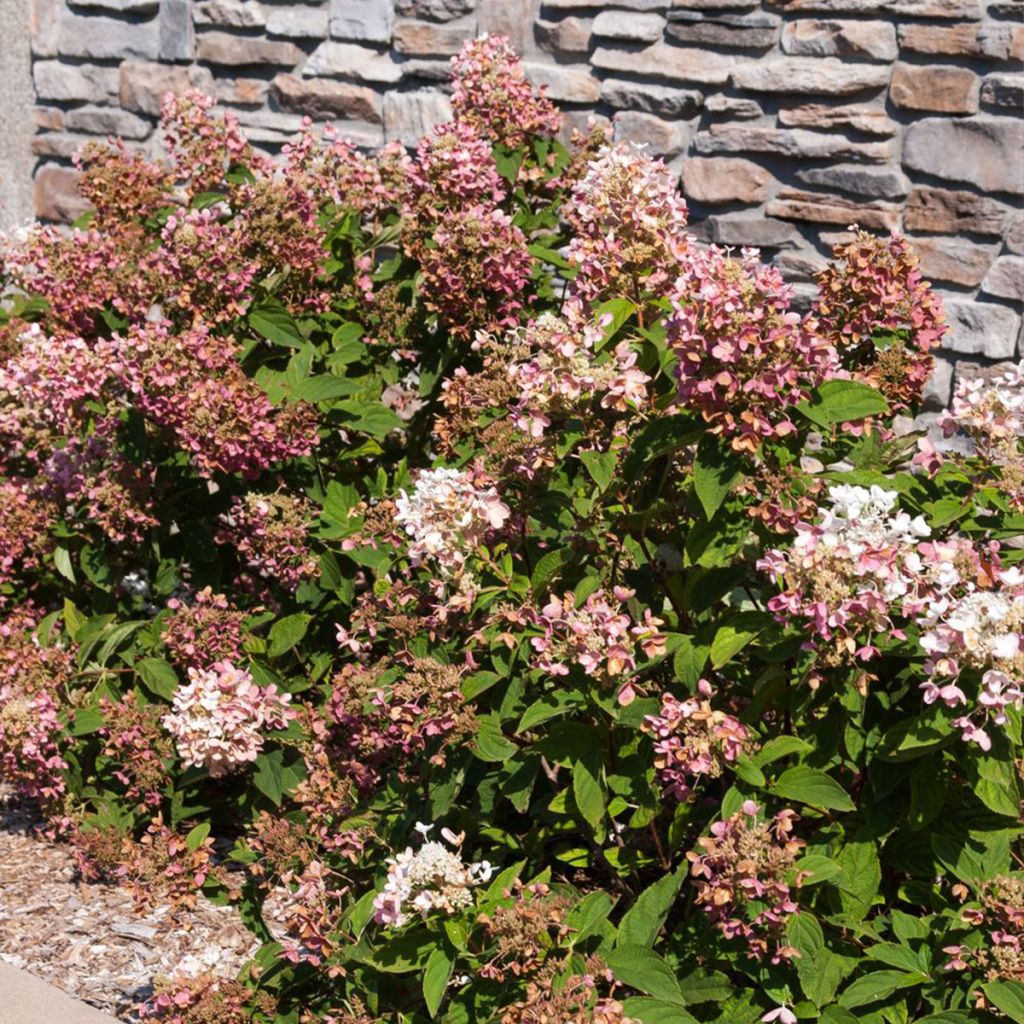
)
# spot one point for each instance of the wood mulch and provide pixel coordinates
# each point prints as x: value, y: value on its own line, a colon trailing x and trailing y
x: 87, y: 939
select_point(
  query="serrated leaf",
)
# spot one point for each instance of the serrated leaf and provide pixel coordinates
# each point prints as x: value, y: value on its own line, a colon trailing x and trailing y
x: 716, y: 470
x: 489, y: 743
x: 870, y: 988
x: 642, y: 922
x: 287, y: 632
x: 158, y: 677
x: 813, y: 787
x: 272, y: 321
x: 641, y: 968
x: 648, y: 1010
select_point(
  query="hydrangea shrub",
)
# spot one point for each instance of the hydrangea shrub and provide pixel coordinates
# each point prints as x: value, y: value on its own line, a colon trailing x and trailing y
x: 520, y: 611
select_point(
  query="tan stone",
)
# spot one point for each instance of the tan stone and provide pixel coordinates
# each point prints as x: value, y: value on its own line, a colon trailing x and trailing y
x: 423, y: 39
x: 944, y: 211
x: 875, y: 40
x: 660, y: 138
x: 953, y: 260
x: 819, y: 208
x: 239, y: 51
x: 947, y: 90
x: 820, y: 76
x: 677, y: 63
x: 870, y: 121
x: 570, y: 36
x: 57, y: 195
x: 725, y: 180
x: 408, y: 116
x: 916, y: 8
x: 49, y: 119
x: 325, y: 100
x: 142, y: 85
x: 242, y: 92
x: 996, y: 40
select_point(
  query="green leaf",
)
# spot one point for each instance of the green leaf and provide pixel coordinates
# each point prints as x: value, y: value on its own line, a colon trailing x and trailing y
x: 780, y: 747
x: 195, y: 838
x: 716, y: 469
x: 996, y: 785
x: 435, y: 980
x: 287, y: 632
x: 62, y: 561
x: 547, y: 567
x: 600, y: 466
x: 870, y: 988
x: 813, y: 787
x: 74, y: 620
x: 619, y: 310
x: 861, y: 877
x: 272, y: 321
x: 641, y: 968
x: 489, y: 743
x: 700, y: 987
x: 549, y: 706
x: 642, y: 922
x: 87, y: 721
x: 736, y: 633
x: 1007, y: 996
x: 587, y: 790
x: 158, y: 677
x: 587, y: 917
x: 839, y: 401
x: 656, y: 1011
x: 689, y: 660
x: 277, y: 772
x: 820, y: 868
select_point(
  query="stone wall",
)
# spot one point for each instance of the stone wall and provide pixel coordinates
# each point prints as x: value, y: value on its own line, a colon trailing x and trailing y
x: 787, y: 119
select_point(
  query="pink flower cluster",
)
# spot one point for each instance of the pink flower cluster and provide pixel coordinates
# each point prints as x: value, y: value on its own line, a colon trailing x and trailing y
x: 745, y: 359
x: 561, y: 370
x: 454, y: 167
x: 219, y: 717
x: 881, y: 315
x: 740, y: 875
x: 137, y: 748
x: 270, y: 532
x: 25, y: 521
x: 629, y: 226
x: 692, y: 739
x: 191, y: 384
x: 490, y: 92
x: 204, y: 630
x: 597, y: 635
x: 448, y: 515
x: 999, y: 910
x: 430, y: 878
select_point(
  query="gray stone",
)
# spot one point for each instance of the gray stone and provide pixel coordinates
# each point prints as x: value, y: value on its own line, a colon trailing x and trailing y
x: 99, y: 38
x: 74, y: 83
x: 119, y: 6
x: 425, y: 39
x: 981, y: 328
x: 241, y: 51
x: 270, y: 120
x: 1004, y: 89
x: 869, y: 120
x: 652, y: 99
x: 351, y: 61
x: 326, y: 100
x: 366, y: 20
x: 230, y: 13
x: 757, y: 30
x: 427, y: 70
x: 659, y: 138
x: 629, y: 26
x: 939, y: 388
x: 298, y: 22
x: 793, y: 142
x: 142, y: 85
x: 177, y: 36
x: 107, y: 121
x: 408, y: 116
x: 570, y: 36
x: 986, y: 152
x: 736, y: 107
x: 1015, y: 232
x: 435, y: 10
x: 800, y: 264
x: 875, y: 40
x: 1006, y: 278
x: 677, y: 63
x: 57, y: 195
x: 872, y: 182
x: 564, y: 83
x: 828, y: 76
x: 632, y: 5
x: 744, y: 229
x: 509, y: 18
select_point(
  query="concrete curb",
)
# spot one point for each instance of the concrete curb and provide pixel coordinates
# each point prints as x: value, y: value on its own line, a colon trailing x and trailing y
x: 25, y: 999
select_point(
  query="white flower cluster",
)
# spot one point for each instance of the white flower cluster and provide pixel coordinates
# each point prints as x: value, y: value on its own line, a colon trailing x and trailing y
x: 430, y: 878
x: 447, y: 516
x: 990, y: 410
x: 218, y: 719
x: 862, y: 518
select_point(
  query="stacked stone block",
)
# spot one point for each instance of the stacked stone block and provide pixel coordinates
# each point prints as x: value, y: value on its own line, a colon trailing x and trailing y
x: 787, y: 119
